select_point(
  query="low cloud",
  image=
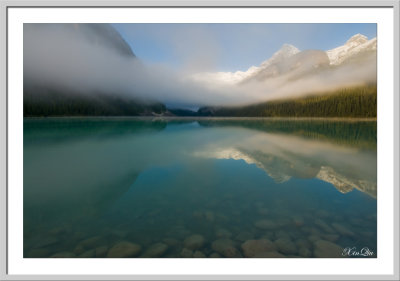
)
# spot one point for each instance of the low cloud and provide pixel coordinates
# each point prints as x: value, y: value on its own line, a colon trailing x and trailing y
x: 62, y: 56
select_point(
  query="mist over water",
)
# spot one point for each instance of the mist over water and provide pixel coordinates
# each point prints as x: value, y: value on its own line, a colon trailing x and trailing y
x: 90, y: 184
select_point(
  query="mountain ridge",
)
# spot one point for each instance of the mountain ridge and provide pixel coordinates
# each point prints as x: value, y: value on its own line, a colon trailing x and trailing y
x: 355, y: 45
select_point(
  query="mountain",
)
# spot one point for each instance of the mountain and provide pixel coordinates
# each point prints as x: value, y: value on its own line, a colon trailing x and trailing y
x: 345, y: 184
x: 281, y: 169
x: 293, y: 65
x: 279, y: 56
x: 357, y: 45
x: 44, y: 96
x: 289, y: 60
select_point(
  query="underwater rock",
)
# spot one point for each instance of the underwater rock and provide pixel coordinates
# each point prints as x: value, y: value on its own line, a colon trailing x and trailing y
x: 303, y: 243
x: 186, y: 253
x: 286, y: 246
x: 171, y: 241
x: 79, y: 249
x: 314, y: 231
x: 92, y: 242
x: 298, y: 221
x: 197, y: 215
x: 38, y: 253
x: 221, y: 217
x: 222, y: 233
x: 305, y: 252
x: 88, y: 254
x: 324, y: 226
x: 64, y: 255
x: 124, y: 249
x: 357, y: 221
x: 342, y: 230
x: 101, y: 251
x: 253, y: 247
x: 313, y: 238
x: 209, y: 215
x: 194, y: 242
x: 119, y: 233
x: 331, y: 237
x: 226, y: 248
x: 272, y: 254
x: 326, y: 249
x: 180, y: 232
x: 244, y: 235
x: 46, y: 241
x: 265, y: 224
x: 282, y: 234
x: 155, y: 250
x: 323, y: 213
x: 60, y: 230
x: 199, y: 254
x: 263, y: 211
x: 282, y: 222
x: 215, y: 255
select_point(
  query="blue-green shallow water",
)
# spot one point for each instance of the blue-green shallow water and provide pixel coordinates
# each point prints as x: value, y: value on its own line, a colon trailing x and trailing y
x: 126, y: 187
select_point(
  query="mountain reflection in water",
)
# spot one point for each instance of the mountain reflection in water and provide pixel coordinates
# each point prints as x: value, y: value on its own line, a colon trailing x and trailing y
x: 155, y: 183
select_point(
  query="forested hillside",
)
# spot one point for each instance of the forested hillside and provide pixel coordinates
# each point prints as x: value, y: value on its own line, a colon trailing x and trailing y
x: 57, y: 104
x: 348, y: 102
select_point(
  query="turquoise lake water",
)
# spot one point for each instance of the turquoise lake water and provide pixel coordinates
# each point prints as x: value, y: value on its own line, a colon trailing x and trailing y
x: 180, y: 188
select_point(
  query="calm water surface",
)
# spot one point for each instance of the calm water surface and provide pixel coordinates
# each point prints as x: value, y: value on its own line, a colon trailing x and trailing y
x: 126, y: 187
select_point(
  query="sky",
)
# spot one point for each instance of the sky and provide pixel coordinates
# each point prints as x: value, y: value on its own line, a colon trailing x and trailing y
x: 230, y: 47
x: 87, y: 59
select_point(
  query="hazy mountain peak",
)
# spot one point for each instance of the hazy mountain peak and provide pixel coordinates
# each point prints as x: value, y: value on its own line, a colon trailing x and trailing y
x: 284, y: 52
x: 358, y: 39
x: 355, y: 45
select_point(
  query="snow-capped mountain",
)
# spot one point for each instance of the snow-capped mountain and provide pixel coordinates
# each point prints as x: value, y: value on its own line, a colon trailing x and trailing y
x: 286, y: 51
x: 356, y: 45
x: 283, y: 53
x: 345, y: 184
x: 290, y: 60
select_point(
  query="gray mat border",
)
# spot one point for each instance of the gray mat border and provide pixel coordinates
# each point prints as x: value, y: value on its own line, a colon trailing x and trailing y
x: 6, y: 4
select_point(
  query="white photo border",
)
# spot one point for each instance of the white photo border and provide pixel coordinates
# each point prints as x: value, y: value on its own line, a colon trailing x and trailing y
x: 205, y: 268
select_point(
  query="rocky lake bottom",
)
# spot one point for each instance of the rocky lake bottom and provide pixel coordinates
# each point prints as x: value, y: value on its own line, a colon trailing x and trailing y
x: 134, y: 188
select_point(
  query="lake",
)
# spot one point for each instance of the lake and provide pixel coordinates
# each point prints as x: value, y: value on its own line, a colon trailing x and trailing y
x: 207, y: 187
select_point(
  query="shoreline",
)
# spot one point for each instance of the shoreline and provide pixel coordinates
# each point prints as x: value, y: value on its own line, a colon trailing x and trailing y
x: 194, y: 118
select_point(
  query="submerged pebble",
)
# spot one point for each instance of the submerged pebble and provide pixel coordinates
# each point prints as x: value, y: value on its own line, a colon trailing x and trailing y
x: 244, y: 235
x: 171, y: 241
x: 342, y: 230
x: 124, y: 249
x: 101, y: 251
x: 265, y: 224
x: 222, y: 233
x: 214, y: 255
x: 251, y: 248
x: 194, y: 242
x: 331, y: 237
x: 38, y: 253
x: 272, y: 254
x: 64, y: 255
x: 323, y: 225
x: 186, y: 253
x: 155, y: 250
x: 305, y: 252
x: 91, y: 242
x: 88, y: 254
x: 286, y: 246
x: 326, y: 249
x: 226, y: 247
x: 199, y: 254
